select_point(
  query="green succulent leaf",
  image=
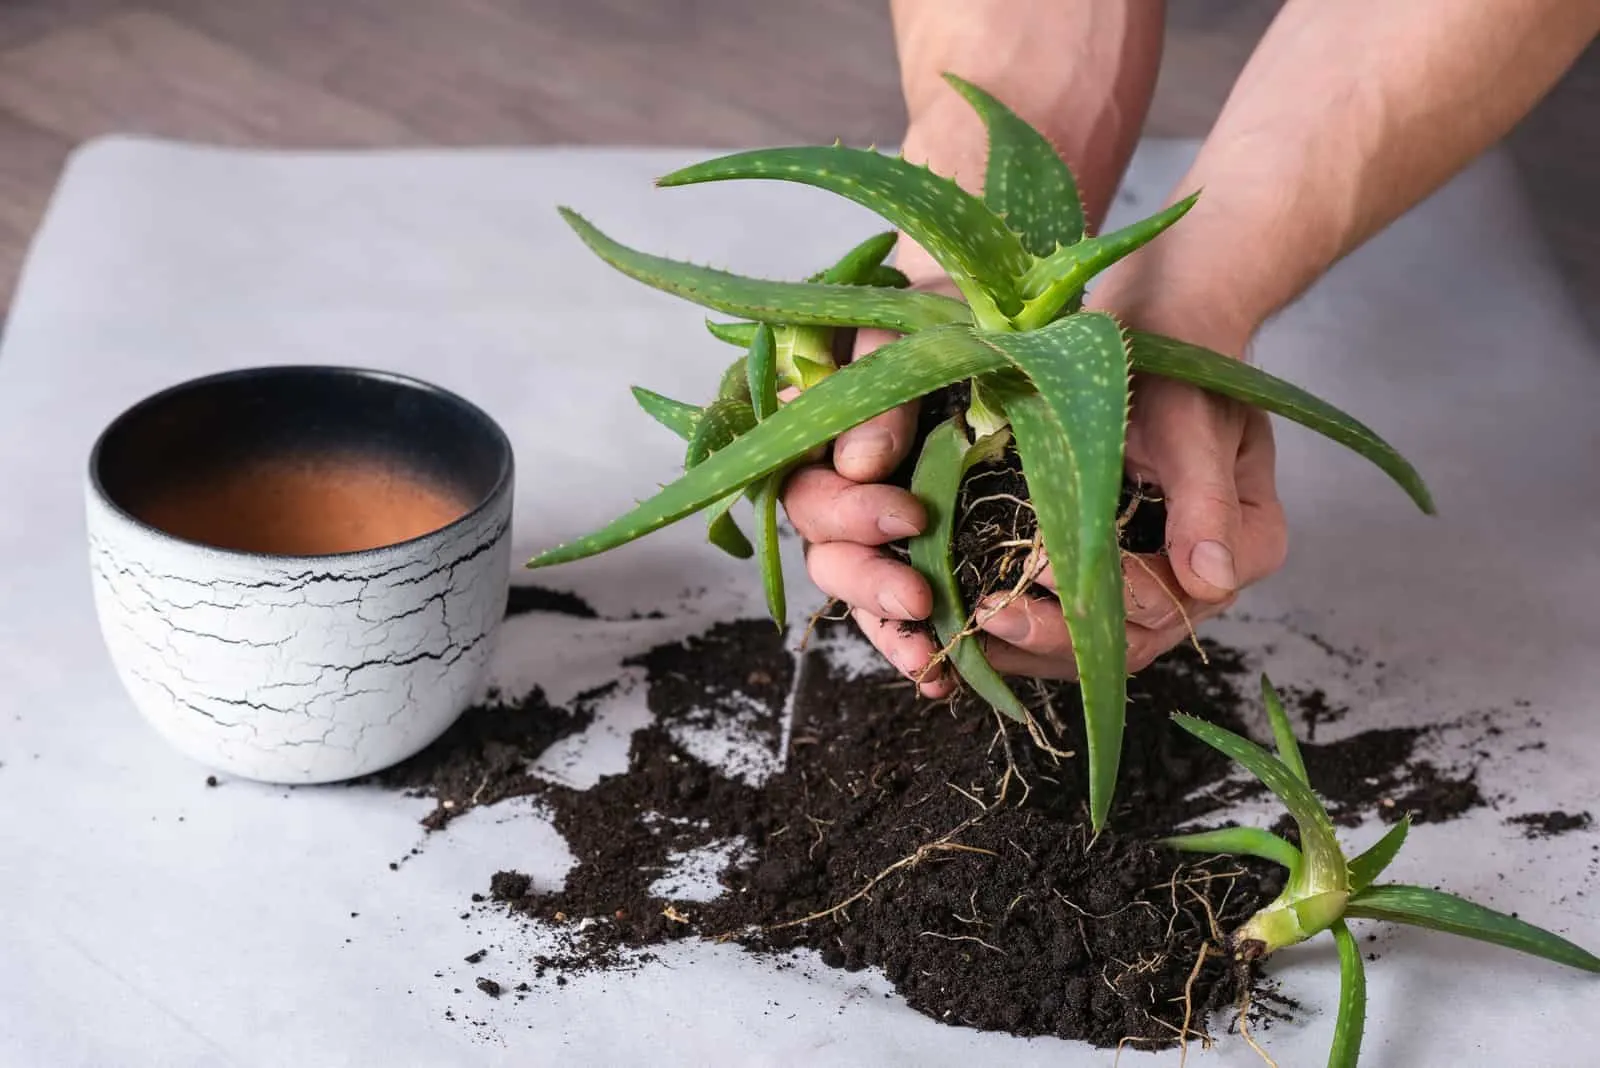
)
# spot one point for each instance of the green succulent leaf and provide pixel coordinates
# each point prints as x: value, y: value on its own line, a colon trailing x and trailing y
x: 901, y: 371
x: 960, y: 232
x: 945, y: 458
x: 797, y: 303
x: 1419, y: 906
x: 761, y: 367
x: 1283, y: 732
x: 1027, y: 182
x: 771, y: 557
x: 1351, y: 1022
x: 1325, y: 868
x: 721, y: 423
x: 1170, y: 358
x: 676, y: 416
x: 888, y: 277
x: 1238, y: 841
x: 1365, y: 869
x: 857, y: 267
x: 1057, y: 281
x: 739, y: 334
x: 1069, y: 430
x: 724, y: 533
x: 809, y: 372
x: 735, y: 383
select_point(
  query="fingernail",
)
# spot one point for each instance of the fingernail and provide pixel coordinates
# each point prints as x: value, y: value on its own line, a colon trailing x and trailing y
x: 865, y: 446
x: 897, y: 526
x: 1008, y: 624
x: 1212, y: 561
x: 892, y: 606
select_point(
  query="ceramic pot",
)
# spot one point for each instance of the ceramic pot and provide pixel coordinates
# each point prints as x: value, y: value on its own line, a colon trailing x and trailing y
x: 300, y: 571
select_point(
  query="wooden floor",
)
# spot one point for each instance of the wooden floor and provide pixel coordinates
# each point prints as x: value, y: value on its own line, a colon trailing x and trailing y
x: 339, y: 73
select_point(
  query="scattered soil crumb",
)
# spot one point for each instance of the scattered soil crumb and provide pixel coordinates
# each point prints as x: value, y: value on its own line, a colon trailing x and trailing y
x: 1550, y: 824
x: 524, y: 598
x: 484, y: 757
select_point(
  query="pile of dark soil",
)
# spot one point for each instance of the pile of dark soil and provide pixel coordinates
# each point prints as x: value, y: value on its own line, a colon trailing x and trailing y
x: 933, y: 841
x: 927, y: 840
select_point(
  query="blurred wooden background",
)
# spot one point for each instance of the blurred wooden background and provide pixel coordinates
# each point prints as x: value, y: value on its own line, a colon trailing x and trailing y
x: 718, y: 73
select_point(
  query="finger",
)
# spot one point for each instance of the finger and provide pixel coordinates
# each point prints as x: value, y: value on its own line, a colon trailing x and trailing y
x: 864, y: 578
x: 1007, y: 659
x: 826, y: 507
x: 1263, y: 529
x: 1031, y: 624
x: 1196, y: 454
x: 1151, y: 593
x: 1146, y: 646
x: 910, y: 651
x: 871, y: 451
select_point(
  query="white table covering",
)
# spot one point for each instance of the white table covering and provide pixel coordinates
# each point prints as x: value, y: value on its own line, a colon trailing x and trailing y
x: 148, y: 920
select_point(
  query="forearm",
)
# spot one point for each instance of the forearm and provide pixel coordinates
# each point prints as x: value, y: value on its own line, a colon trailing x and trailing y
x: 1347, y: 115
x: 1081, y: 71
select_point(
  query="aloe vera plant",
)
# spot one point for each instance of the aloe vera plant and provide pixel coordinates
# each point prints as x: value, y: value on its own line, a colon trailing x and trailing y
x: 1047, y: 378
x: 1325, y: 888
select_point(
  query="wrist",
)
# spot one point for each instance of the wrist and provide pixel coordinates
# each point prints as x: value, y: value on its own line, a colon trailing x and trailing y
x: 1186, y: 299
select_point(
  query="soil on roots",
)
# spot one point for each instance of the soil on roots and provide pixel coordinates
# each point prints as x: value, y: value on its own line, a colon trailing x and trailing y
x: 995, y: 543
x: 931, y: 841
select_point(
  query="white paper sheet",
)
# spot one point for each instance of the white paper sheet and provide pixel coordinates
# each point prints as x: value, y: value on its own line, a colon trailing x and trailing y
x: 147, y: 920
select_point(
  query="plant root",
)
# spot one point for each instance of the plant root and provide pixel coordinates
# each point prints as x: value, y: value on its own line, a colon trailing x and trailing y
x: 910, y: 860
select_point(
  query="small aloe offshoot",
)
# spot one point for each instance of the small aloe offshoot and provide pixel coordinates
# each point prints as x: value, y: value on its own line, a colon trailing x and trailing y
x: 1324, y: 888
x: 1046, y: 379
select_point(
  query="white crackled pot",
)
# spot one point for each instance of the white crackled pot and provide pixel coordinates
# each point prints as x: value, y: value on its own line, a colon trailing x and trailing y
x: 300, y: 571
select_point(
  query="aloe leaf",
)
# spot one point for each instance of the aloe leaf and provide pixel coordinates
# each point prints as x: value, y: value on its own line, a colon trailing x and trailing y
x: 1027, y: 182
x: 1283, y: 732
x: 904, y: 370
x: 761, y: 368
x: 889, y: 277
x: 735, y: 382
x: 810, y: 346
x: 960, y: 232
x: 856, y: 267
x: 721, y: 423
x: 1419, y: 906
x: 1171, y: 358
x: 936, y: 481
x: 676, y: 416
x: 738, y: 334
x: 1241, y: 841
x: 1351, y: 1022
x: 1070, y: 437
x: 1057, y: 281
x: 1365, y: 869
x: 800, y: 303
x: 1325, y: 868
x: 725, y: 534
x: 809, y: 372
x: 771, y: 557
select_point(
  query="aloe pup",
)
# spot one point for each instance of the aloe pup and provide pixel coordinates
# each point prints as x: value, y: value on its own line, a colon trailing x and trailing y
x: 1325, y: 889
x: 1045, y: 378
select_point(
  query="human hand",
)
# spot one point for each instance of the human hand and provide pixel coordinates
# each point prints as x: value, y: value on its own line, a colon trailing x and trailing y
x: 1212, y: 460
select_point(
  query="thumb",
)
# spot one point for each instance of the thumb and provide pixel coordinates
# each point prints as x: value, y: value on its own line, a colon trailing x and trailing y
x: 1203, y: 514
